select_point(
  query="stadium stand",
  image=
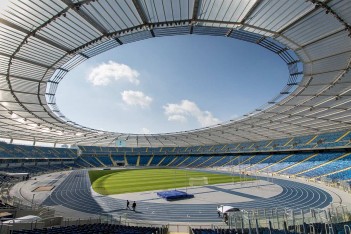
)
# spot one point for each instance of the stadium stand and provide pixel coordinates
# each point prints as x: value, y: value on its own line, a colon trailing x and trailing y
x: 144, y: 160
x: 156, y: 160
x: 339, y: 228
x: 297, y: 162
x: 330, y: 140
x: 105, y: 160
x: 312, y: 162
x: 95, y: 228
x: 24, y: 151
x: 294, y: 160
x: 330, y: 165
x: 92, y: 161
x: 131, y: 159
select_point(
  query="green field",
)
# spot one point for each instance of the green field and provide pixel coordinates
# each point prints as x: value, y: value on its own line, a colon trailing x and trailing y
x: 108, y: 182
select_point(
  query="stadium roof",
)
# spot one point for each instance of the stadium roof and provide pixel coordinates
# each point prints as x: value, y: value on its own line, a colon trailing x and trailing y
x: 42, y: 40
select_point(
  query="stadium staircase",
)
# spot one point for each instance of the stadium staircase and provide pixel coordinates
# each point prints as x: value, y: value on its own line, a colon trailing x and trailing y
x: 230, y: 161
x: 211, y: 165
x: 237, y: 146
x: 194, y: 161
x: 79, y: 165
x: 174, y: 149
x: 204, y: 162
x: 259, y: 162
x: 272, y: 164
x: 244, y: 162
x: 150, y: 160
x: 125, y: 160
x: 175, y: 161
x: 297, y: 163
x: 175, y: 158
x: 322, y: 165
x: 311, y: 140
x: 342, y: 137
x: 53, y: 150
x: 182, y: 161
x: 113, y: 161
x: 161, y: 161
x: 97, y: 159
x: 332, y: 173
x: 252, y: 145
x: 86, y: 162
x: 224, y: 146
x: 138, y: 161
x: 187, y: 161
x: 288, y: 142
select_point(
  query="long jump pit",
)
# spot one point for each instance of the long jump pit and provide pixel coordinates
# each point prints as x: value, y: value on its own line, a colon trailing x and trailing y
x: 43, y: 189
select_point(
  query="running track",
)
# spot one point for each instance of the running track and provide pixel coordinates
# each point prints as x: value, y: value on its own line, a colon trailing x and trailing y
x: 74, y: 193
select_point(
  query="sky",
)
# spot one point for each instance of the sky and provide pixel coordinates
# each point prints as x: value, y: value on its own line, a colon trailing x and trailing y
x: 170, y: 84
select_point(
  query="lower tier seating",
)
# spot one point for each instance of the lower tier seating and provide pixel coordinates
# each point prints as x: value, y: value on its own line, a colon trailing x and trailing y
x: 95, y: 228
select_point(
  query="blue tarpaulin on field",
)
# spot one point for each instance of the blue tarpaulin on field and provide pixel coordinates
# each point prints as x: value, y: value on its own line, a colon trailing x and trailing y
x: 174, y: 195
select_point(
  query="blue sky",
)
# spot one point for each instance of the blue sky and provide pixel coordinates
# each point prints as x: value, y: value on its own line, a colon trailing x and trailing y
x: 171, y: 84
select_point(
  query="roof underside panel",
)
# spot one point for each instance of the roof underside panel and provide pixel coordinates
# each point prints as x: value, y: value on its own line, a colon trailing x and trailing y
x: 275, y: 15
x: 113, y: 15
x: 309, y: 29
x: 343, y: 8
x: 225, y: 10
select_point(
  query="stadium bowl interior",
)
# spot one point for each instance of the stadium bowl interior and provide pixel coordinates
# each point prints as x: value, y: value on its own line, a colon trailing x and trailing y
x: 301, y: 136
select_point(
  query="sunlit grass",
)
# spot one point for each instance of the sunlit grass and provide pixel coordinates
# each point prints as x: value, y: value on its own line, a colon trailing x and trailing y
x: 128, y: 181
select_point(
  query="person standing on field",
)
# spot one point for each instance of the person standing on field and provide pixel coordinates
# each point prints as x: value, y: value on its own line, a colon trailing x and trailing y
x: 134, y: 206
x: 128, y: 205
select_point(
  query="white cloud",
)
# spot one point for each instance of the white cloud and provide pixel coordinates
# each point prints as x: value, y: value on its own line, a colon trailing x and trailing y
x: 145, y: 131
x: 136, y: 98
x: 177, y: 118
x: 181, y: 112
x: 103, y: 74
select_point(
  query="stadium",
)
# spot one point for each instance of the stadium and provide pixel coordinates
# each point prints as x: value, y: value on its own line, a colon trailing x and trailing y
x: 283, y: 168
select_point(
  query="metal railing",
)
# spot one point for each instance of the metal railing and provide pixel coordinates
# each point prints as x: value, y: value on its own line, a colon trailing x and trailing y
x: 293, y: 219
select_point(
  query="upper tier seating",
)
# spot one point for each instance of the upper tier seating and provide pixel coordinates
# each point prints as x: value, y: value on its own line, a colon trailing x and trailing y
x: 326, y: 140
x: 25, y: 151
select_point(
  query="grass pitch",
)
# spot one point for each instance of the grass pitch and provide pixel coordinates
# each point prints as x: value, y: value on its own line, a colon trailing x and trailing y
x: 129, y: 181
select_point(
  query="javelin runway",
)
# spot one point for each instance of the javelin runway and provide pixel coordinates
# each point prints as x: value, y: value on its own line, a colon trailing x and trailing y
x: 75, y: 193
